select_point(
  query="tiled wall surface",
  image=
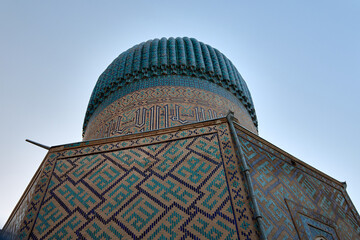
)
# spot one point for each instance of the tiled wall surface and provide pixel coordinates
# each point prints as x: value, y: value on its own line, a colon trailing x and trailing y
x: 183, y: 184
x: 296, y: 200
x: 158, y: 107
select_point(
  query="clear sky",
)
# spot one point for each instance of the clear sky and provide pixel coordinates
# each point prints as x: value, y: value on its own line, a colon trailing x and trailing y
x: 300, y: 59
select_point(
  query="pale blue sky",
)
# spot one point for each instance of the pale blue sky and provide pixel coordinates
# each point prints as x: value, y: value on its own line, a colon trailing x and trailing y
x: 300, y: 60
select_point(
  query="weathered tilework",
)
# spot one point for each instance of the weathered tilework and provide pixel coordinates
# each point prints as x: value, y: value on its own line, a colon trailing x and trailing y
x: 275, y: 179
x: 36, y: 197
x: 179, y: 185
x: 162, y: 107
x: 310, y: 224
x: 11, y: 229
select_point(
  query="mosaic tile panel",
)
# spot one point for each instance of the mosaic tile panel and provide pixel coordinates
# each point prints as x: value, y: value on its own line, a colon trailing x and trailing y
x: 179, y: 185
x: 277, y: 177
x: 159, y: 107
x: 174, y: 58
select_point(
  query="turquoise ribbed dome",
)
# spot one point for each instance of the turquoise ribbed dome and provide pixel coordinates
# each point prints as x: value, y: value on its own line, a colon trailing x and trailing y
x: 180, y: 56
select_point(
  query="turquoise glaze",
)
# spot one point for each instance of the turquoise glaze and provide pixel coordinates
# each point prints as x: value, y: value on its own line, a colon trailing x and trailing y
x: 181, y: 57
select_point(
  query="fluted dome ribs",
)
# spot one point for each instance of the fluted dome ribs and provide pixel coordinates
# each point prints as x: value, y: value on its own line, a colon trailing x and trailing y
x: 180, y: 56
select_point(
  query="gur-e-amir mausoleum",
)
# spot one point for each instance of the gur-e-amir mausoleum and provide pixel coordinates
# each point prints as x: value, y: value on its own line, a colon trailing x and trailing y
x: 171, y: 150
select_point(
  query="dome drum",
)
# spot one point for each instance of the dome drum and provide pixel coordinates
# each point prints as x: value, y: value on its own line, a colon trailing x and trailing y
x: 170, y: 57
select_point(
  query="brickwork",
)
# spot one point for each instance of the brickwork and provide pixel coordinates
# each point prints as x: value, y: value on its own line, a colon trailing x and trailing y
x: 175, y: 185
x: 296, y: 200
x: 158, y: 162
x: 183, y: 183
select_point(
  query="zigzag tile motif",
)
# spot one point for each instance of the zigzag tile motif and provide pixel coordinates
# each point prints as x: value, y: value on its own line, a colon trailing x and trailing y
x: 71, y: 150
x: 275, y: 179
x: 174, y: 186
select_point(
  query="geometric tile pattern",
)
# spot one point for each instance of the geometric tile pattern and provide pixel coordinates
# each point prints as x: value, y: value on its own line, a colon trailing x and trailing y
x: 162, y: 107
x: 174, y: 58
x: 40, y: 187
x: 181, y: 183
x: 177, y: 185
x: 314, y: 228
x: 277, y: 176
x: 18, y: 214
x: 310, y: 225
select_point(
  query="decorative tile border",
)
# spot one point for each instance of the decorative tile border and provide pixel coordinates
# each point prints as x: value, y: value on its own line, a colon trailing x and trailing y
x: 161, y: 103
x: 246, y: 226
